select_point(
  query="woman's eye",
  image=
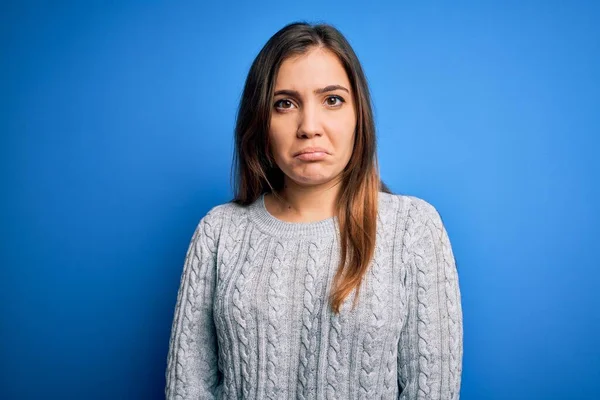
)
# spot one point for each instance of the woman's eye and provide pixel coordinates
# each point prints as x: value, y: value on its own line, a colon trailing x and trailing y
x: 283, y: 104
x: 334, y: 100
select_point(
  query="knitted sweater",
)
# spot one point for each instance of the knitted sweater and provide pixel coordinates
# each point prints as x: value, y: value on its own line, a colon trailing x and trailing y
x: 252, y: 318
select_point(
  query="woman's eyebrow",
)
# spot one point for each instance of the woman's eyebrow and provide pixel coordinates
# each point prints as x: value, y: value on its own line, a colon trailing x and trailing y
x: 326, y: 89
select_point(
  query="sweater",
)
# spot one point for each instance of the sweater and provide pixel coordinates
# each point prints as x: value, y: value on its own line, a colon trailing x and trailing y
x: 252, y: 318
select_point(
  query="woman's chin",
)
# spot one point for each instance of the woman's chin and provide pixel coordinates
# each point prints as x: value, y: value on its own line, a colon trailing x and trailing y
x: 311, y: 179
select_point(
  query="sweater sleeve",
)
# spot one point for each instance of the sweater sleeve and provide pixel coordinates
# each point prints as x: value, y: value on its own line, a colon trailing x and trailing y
x: 430, y: 347
x: 192, y: 362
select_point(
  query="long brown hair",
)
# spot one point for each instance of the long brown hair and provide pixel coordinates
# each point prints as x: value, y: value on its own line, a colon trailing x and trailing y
x: 255, y: 173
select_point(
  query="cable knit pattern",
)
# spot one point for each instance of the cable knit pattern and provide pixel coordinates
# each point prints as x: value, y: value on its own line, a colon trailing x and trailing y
x: 377, y: 318
x: 277, y: 299
x: 228, y: 255
x: 311, y: 303
x: 337, y: 352
x: 252, y: 318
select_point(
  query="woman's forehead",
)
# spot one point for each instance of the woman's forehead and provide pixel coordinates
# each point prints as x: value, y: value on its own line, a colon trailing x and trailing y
x: 316, y: 69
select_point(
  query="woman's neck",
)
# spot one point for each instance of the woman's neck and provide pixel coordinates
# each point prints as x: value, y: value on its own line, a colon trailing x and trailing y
x: 303, y: 204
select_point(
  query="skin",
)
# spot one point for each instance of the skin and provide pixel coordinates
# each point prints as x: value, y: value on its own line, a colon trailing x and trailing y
x: 308, y: 118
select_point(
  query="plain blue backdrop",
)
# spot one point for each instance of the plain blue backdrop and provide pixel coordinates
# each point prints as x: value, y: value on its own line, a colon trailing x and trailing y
x: 117, y: 136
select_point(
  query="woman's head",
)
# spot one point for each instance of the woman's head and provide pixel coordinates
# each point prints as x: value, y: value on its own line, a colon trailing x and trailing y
x: 313, y: 107
x: 272, y: 125
x: 306, y: 88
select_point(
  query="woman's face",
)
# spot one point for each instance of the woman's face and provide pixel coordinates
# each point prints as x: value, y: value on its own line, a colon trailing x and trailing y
x: 313, y: 106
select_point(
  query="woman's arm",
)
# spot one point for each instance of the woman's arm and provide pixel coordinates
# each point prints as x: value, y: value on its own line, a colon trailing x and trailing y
x: 430, y: 348
x: 192, y: 368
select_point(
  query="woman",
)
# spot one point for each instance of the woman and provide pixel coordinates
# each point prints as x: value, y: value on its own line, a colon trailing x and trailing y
x: 315, y: 281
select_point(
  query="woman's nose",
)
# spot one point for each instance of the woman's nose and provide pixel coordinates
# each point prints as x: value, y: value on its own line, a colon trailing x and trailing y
x: 310, y: 121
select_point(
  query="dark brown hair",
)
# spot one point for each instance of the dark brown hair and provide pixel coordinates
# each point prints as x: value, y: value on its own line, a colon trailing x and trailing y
x: 256, y: 173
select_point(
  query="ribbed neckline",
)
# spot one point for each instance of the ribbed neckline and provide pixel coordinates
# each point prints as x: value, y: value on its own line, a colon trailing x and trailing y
x: 276, y: 227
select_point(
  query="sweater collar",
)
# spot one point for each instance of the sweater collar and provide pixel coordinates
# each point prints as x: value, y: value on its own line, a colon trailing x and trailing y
x: 268, y: 223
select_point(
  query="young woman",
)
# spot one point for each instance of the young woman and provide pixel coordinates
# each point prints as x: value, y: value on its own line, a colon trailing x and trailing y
x: 315, y: 281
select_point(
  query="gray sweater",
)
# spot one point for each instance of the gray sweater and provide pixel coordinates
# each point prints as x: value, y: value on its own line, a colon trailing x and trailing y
x: 252, y: 318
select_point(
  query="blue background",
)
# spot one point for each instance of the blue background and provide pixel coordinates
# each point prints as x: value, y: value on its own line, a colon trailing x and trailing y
x: 117, y: 135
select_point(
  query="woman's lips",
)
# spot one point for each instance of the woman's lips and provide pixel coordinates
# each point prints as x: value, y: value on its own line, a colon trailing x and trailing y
x: 312, y: 156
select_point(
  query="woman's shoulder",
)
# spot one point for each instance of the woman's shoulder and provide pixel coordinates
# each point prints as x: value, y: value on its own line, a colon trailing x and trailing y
x: 408, y: 206
x: 399, y: 201
x: 211, y: 224
x: 219, y: 213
